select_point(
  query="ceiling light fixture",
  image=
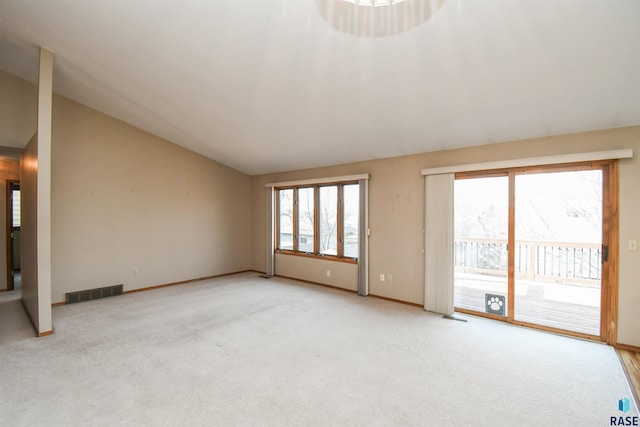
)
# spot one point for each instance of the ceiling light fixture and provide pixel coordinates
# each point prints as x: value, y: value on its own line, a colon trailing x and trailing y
x: 374, y: 3
x: 377, y: 18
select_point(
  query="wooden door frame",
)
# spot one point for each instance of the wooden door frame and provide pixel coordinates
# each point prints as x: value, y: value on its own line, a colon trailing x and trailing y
x: 610, y: 238
x: 612, y: 208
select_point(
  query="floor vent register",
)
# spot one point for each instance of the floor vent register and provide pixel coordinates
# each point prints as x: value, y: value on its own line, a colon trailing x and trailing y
x: 91, y: 294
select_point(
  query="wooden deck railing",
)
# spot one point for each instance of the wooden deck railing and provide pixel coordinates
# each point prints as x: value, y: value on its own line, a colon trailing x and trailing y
x: 565, y: 262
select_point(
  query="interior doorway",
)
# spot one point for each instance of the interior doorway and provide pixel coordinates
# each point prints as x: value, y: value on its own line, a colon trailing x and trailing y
x: 531, y: 247
x: 14, y: 275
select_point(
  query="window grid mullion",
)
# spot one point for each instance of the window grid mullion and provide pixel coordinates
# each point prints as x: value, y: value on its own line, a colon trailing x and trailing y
x: 316, y: 221
x: 340, y: 219
x: 295, y: 219
x: 276, y: 219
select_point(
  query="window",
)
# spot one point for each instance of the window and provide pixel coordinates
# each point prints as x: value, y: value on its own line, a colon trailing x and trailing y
x: 306, y: 222
x: 285, y: 215
x: 351, y: 219
x: 15, y: 194
x: 319, y: 220
x: 329, y: 220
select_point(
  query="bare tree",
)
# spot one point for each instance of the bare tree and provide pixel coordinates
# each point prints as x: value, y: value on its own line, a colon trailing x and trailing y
x: 328, y: 219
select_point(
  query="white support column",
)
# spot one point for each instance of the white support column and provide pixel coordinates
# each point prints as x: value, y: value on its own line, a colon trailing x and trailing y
x: 45, y: 96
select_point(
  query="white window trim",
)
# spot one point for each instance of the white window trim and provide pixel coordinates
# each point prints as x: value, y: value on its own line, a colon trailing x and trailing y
x: 318, y: 181
x: 533, y: 161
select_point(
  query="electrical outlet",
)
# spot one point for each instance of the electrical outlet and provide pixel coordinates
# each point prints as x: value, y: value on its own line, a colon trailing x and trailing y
x: 382, y: 277
x: 328, y: 273
x: 389, y: 277
x: 633, y: 245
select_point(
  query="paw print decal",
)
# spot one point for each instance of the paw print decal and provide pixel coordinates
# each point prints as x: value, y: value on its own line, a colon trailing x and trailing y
x: 495, y: 303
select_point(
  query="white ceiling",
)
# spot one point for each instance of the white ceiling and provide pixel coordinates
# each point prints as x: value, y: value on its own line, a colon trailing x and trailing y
x: 273, y: 85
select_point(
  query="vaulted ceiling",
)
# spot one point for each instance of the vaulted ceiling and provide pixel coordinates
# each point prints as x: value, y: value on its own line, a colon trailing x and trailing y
x: 273, y: 85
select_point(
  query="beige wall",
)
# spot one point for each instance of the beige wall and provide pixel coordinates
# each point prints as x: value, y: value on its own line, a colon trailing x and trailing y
x: 18, y: 110
x: 9, y: 171
x: 340, y: 274
x: 629, y: 288
x: 28, y: 228
x: 125, y: 199
x: 35, y: 177
x: 396, y: 209
x: 18, y: 121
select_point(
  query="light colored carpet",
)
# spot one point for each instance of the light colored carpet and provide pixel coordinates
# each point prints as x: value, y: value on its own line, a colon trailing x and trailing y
x: 14, y: 322
x: 242, y: 350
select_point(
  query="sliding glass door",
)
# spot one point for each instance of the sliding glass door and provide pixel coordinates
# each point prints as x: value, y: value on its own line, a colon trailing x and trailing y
x: 481, y: 227
x: 531, y: 247
x: 558, y: 232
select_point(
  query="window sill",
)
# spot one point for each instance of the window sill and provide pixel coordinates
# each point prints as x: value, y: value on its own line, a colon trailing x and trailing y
x: 314, y: 256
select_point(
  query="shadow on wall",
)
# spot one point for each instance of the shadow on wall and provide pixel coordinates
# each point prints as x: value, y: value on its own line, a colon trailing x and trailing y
x: 12, y: 153
x: 377, y: 18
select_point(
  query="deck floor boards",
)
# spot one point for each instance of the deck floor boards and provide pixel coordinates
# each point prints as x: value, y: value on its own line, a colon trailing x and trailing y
x: 569, y: 307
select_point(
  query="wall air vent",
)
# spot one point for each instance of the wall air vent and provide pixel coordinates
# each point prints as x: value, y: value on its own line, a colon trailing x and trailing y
x: 90, y: 294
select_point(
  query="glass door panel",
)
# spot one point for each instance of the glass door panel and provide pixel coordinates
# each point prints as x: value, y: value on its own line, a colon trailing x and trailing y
x: 481, y: 226
x: 558, y: 250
